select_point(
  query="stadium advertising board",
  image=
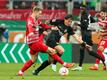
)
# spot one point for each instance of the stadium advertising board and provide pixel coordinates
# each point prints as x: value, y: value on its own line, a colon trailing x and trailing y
x: 17, y: 36
x: 23, y: 14
x: 19, y: 53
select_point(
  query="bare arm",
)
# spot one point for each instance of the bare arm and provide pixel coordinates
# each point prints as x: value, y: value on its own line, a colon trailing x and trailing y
x: 80, y: 41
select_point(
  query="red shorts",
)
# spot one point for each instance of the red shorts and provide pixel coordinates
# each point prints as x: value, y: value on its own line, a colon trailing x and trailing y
x: 37, y: 47
x: 103, y: 43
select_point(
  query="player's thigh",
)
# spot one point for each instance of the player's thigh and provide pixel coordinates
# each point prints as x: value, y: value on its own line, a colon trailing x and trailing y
x: 51, y: 51
x: 102, y: 45
x: 43, y: 47
x: 59, y: 48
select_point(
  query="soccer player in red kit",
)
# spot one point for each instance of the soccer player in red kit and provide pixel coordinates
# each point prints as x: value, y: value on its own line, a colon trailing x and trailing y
x: 102, y: 21
x: 35, y: 43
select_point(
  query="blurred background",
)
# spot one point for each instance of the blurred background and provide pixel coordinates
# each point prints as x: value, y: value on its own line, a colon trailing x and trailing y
x: 13, y: 15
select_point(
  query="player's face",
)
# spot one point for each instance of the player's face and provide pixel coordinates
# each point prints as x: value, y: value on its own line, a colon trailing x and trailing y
x: 103, y: 14
x: 68, y: 22
x: 38, y: 14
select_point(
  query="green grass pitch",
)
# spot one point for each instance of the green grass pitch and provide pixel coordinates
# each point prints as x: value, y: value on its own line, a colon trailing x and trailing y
x: 9, y: 71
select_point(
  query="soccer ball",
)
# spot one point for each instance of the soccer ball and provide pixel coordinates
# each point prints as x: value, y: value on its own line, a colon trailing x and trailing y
x: 63, y: 71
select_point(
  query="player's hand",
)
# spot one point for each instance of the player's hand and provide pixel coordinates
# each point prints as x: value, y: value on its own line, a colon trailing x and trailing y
x: 88, y: 47
x: 84, y: 44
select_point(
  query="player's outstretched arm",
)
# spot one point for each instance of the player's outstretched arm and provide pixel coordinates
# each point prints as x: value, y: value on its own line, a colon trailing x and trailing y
x: 80, y: 41
x: 78, y: 38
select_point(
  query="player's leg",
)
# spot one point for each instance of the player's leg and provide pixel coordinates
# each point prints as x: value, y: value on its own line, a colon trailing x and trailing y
x: 53, y: 54
x: 94, y: 54
x: 28, y: 63
x: 82, y: 50
x: 81, y: 59
x: 60, y: 51
x: 90, y: 50
x: 57, y: 58
x: 43, y: 65
x: 102, y: 45
x: 47, y: 62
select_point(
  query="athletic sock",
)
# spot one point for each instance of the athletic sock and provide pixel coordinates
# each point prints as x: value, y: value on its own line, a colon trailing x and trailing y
x: 27, y: 65
x: 57, y: 58
x: 81, y: 57
x: 54, y: 62
x: 43, y: 65
x: 101, y: 54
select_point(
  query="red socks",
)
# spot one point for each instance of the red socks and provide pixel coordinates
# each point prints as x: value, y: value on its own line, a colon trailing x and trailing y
x: 57, y: 58
x: 101, y: 54
x: 27, y: 65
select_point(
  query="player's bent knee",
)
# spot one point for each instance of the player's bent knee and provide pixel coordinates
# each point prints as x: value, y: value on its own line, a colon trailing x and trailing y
x: 51, y: 50
x: 61, y: 52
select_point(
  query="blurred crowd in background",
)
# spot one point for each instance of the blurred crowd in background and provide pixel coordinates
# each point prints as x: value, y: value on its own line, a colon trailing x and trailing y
x: 68, y: 5
x: 53, y: 4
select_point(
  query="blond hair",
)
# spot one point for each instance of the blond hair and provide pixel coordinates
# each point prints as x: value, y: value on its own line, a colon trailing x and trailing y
x: 36, y: 8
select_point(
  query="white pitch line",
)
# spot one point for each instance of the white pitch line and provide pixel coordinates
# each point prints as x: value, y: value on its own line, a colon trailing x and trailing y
x: 11, y: 53
x: 39, y: 58
x: 20, y: 54
x: 6, y: 59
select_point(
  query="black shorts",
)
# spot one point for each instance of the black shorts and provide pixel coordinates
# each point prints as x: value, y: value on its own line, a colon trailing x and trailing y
x: 52, y: 43
x: 87, y: 37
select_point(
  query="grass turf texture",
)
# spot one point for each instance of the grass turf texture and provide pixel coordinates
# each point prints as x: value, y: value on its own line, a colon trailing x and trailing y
x: 9, y: 71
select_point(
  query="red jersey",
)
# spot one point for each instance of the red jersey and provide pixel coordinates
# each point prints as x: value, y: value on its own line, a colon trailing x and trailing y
x: 32, y: 30
x: 103, y: 24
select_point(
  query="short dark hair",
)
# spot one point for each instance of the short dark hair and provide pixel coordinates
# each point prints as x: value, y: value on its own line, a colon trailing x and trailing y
x: 83, y: 7
x: 36, y: 8
x: 68, y: 16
